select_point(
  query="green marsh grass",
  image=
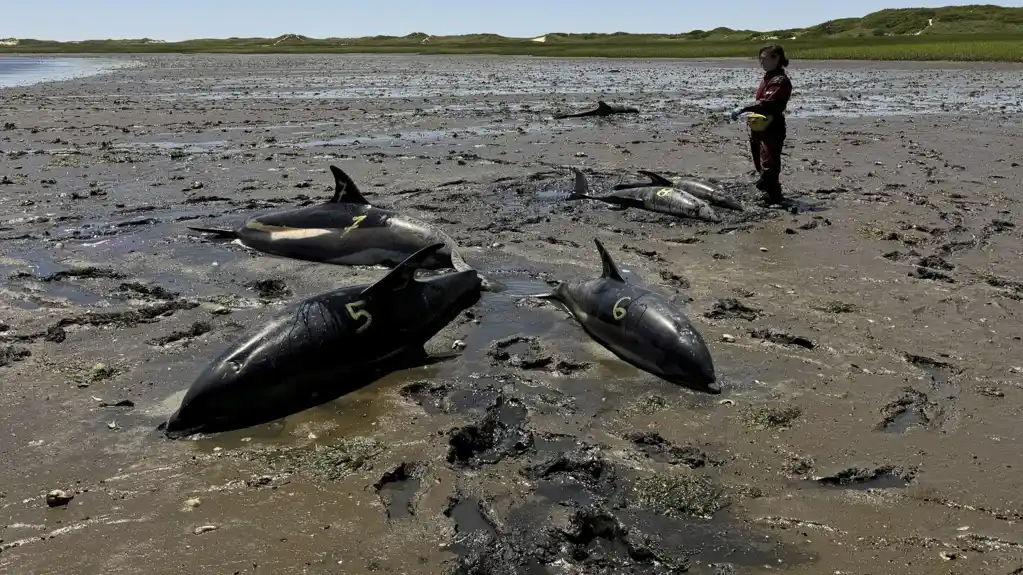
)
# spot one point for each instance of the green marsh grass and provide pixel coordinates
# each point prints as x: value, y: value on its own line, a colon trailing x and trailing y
x: 974, y: 47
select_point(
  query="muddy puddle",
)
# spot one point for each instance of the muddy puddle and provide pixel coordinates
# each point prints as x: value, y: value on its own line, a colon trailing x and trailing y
x: 864, y: 333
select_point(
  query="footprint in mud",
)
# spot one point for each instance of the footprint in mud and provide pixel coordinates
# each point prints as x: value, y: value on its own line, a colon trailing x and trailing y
x: 934, y: 268
x: 526, y: 352
x: 731, y: 308
x: 397, y: 489
x: 651, y: 444
x: 911, y: 408
x: 269, y: 289
x: 182, y: 337
x: 9, y: 354
x: 883, y: 477
x: 579, y: 476
x: 501, y: 433
x: 146, y: 291
x: 781, y: 338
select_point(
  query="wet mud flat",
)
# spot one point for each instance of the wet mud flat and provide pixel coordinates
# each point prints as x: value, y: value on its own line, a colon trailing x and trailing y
x: 868, y: 344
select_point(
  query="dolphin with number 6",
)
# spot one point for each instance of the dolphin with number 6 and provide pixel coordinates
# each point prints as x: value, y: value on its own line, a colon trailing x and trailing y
x: 346, y: 230
x: 325, y: 346
x: 639, y: 325
x: 661, y: 199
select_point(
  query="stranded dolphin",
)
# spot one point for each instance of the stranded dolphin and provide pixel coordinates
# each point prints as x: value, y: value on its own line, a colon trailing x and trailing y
x: 639, y: 326
x: 705, y: 191
x: 671, y: 201
x: 602, y: 109
x: 328, y: 344
x: 346, y: 230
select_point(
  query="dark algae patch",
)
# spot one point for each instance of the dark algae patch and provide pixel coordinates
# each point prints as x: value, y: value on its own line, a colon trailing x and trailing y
x: 680, y: 494
x: 659, y: 449
x: 883, y: 477
x: 323, y: 462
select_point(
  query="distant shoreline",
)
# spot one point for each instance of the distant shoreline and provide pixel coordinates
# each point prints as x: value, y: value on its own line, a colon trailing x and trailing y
x: 729, y: 61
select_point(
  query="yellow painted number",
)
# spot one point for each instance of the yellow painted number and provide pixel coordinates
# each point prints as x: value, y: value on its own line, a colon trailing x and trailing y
x: 356, y: 312
x: 355, y: 223
x: 617, y: 311
x: 663, y: 192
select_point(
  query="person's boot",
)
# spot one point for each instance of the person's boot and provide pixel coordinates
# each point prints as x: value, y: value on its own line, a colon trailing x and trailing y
x: 773, y: 188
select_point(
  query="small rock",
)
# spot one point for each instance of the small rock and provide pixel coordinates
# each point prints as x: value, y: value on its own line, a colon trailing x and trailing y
x: 458, y: 344
x: 220, y: 310
x: 204, y: 529
x: 192, y: 503
x: 728, y: 338
x: 763, y: 249
x: 58, y: 498
x: 947, y: 555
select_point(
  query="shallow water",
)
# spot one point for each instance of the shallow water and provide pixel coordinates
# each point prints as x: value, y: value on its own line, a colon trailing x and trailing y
x: 25, y: 71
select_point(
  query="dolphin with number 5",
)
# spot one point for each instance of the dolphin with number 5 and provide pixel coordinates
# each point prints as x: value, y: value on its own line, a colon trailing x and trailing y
x: 661, y: 199
x: 639, y: 325
x: 345, y: 230
x: 325, y: 346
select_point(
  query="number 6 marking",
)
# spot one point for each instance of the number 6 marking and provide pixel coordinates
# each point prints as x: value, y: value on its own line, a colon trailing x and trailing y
x: 356, y: 313
x: 619, y: 312
x: 355, y: 223
x: 663, y: 192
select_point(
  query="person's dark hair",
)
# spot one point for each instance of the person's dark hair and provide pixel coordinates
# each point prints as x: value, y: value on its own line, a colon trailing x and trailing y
x: 775, y: 50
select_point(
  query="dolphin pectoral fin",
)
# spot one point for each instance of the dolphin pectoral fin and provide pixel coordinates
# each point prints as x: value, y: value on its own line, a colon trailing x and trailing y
x: 611, y: 270
x: 345, y: 190
x: 224, y: 234
x: 657, y: 179
x: 403, y: 273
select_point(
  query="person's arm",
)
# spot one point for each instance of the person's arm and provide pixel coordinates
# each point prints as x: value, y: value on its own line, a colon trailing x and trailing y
x: 777, y: 94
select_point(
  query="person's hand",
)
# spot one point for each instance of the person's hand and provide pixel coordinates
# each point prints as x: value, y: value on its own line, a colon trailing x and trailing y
x: 735, y: 113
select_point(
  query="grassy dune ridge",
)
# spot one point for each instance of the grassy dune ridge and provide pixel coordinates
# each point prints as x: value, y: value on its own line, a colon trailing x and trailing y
x: 965, y: 33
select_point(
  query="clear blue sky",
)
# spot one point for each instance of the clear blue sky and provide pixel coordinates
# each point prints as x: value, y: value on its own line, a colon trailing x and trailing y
x: 183, y: 19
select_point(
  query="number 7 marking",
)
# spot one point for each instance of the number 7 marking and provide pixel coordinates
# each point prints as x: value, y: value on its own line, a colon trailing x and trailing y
x: 355, y: 223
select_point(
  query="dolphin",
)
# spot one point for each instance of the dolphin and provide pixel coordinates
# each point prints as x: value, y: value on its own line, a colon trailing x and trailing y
x: 346, y: 230
x: 638, y: 325
x: 328, y: 344
x: 705, y: 191
x: 665, y: 200
x: 603, y: 109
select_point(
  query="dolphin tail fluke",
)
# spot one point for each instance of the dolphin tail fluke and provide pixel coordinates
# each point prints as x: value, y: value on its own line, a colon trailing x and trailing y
x: 581, y: 191
x: 223, y: 234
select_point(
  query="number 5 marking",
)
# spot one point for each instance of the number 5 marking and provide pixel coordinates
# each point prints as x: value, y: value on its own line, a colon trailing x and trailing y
x: 663, y: 192
x: 356, y: 312
x: 355, y: 223
x: 619, y: 312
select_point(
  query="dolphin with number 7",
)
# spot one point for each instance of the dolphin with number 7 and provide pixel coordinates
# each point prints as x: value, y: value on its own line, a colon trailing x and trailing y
x: 669, y: 200
x: 345, y: 230
x: 639, y: 325
x: 324, y: 347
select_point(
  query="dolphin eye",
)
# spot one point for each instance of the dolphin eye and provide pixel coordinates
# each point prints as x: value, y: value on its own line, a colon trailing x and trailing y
x: 235, y: 365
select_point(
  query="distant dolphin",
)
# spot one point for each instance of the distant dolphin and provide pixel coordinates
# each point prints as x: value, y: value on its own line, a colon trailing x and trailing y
x: 665, y: 200
x: 706, y: 191
x: 347, y: 230
x: 602, y: 109
x: 640, y: 326
x: 323, y: 347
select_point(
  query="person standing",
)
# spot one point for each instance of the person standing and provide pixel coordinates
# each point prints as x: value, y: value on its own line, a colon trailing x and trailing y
x: 767, y: 120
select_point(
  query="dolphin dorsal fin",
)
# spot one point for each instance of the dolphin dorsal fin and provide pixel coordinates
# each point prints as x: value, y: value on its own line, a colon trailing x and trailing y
x: 602, y: 105
x: 402, y: 274
x: 582, y: 187
x: 656, y: 179
x: 345, y: 189
x: 611, y: 270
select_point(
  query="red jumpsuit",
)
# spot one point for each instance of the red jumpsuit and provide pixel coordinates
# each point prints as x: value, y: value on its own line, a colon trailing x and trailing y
x: 772, y: 97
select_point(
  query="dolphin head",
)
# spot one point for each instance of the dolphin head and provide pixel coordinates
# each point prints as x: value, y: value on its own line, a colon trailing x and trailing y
x: 678, y: 351
x: 438, y: 300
